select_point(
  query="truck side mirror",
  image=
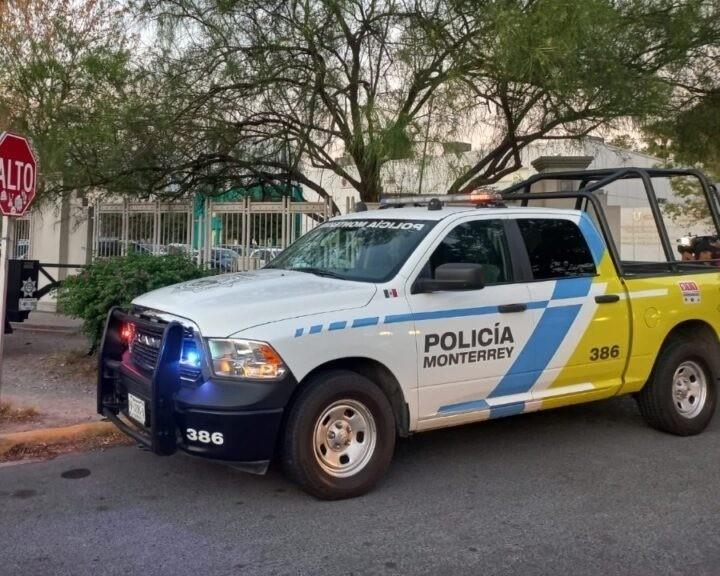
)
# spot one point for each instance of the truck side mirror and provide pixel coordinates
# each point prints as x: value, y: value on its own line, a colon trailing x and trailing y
x: 457, y: 276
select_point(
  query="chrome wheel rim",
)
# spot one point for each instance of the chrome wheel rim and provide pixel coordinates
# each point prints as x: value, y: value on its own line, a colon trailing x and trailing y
x: 689, y: 389
x: 344, y: 438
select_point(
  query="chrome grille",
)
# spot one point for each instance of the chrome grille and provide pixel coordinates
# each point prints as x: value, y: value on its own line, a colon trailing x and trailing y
x: 145, y: 350
x: 142, y: 352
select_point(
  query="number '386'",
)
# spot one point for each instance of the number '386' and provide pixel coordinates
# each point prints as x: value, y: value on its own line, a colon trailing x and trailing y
x: 204, y: 436
x: 604, y: 352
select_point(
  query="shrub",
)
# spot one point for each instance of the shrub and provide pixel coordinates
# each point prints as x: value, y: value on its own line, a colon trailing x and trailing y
x: 115, y: 282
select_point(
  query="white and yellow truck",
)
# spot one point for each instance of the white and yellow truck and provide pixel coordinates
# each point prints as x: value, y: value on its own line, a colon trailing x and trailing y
x: 420, y: 315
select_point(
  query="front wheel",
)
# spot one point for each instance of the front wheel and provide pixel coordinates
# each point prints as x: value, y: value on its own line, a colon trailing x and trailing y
x: 339, y: 437
x: 681, y: 395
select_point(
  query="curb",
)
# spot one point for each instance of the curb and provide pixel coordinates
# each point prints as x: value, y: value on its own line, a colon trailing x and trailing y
x: 54, y: 329
x: 54, y: 436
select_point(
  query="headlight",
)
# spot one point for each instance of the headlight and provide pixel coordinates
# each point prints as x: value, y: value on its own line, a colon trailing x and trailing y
x: 245, y: 359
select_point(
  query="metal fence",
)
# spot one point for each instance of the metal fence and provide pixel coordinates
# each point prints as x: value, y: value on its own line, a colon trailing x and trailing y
x: 22, y: 240
x: 21, y: 237
x: 121, y: 228
x: 224, y: 236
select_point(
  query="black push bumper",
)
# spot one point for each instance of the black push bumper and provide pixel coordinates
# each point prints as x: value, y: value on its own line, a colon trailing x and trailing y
x: 216, y: 418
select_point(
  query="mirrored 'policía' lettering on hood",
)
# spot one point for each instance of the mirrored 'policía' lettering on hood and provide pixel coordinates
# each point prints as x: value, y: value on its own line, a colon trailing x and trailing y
x: 228, y: 303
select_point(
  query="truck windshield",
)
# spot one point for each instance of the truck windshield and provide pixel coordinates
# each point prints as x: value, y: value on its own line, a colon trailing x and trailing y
x: 361, y: 250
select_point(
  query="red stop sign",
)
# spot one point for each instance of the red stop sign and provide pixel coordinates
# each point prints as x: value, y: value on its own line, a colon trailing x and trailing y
x: 18, y: 175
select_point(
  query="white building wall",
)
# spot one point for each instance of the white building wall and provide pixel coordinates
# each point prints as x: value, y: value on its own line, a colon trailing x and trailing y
x: 57, y: 239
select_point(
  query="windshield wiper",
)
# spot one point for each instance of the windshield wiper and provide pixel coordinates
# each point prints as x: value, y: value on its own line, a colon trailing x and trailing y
x: 319, y: 272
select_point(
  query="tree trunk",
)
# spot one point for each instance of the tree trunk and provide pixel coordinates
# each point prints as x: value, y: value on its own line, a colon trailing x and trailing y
x: 370, y: 181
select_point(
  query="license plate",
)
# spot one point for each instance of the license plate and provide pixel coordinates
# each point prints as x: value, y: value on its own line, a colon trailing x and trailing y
x: 136, y: 409
x: 27, y: 304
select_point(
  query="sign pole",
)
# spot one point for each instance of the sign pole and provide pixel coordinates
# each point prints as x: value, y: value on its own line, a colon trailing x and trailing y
x: 18, y: 185
x: 6, y: 246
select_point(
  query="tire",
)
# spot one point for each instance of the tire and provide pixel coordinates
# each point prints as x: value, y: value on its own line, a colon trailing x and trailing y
x: 683, y: 369
x: 351, y: 412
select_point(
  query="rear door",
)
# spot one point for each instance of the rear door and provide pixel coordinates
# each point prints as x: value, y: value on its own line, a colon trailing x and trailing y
x: 582, y: 325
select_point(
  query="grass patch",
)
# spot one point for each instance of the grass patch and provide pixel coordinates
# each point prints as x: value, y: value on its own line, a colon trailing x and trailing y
x: 73, y: 365
x: 49, y: 451
x: 8, y: 413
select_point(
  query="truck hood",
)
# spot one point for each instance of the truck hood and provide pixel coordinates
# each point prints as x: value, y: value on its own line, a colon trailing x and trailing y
x: 228, y: 303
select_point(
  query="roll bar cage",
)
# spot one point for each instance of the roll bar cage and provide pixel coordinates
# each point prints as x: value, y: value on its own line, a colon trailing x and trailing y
x: 592, y: 181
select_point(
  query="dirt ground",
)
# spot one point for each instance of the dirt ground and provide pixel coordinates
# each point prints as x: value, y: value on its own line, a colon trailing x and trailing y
x: 50, y: 372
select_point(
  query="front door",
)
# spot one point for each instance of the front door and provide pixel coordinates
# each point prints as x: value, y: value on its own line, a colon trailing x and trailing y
x: 470, y: 343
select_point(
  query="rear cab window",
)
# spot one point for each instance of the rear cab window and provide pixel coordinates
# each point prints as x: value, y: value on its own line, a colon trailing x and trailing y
x: 556, y: 249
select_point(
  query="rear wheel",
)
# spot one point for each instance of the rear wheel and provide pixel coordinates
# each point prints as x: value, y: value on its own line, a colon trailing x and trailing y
x: 339, y: 437
x: 681, y: 395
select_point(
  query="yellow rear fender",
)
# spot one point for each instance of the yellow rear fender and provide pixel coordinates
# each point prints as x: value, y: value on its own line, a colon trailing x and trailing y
x: 695, y: 330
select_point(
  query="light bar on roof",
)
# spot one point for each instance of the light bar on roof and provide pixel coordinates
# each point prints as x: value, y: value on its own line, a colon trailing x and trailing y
x: 478, y: 197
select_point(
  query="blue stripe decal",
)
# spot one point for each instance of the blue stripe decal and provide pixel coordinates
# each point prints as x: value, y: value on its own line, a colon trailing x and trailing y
x: 497, y: 411
x: 507, y: 409
x: 536, y: 354
x: 454, y: 313
x: 555, y: 324
x: 567, y: 288
x: 522, y: 374
x: 572, y: 288
x: 360, y: 322
x: 594, y: 240
x: 438, y: 314
x: 529, y: 364
x: 464, y: 406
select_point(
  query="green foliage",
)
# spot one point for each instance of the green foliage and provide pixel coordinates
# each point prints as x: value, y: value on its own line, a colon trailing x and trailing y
x: 688, y: 134
x: 228, y: 93
x: 627, y: 142
x: 691, y: 136
x: 268, y: 84
x: 116, y: 282
x: 690, y: 204
x: 68, y: 82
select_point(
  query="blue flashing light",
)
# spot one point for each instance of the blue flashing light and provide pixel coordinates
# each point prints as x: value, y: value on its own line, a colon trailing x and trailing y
x: 192, y: 358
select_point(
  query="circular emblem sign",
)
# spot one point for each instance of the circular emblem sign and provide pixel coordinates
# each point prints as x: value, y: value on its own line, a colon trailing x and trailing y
x: 18, y: 175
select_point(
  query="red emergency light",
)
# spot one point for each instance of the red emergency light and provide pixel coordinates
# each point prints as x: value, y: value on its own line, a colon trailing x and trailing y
x: 127, y: 333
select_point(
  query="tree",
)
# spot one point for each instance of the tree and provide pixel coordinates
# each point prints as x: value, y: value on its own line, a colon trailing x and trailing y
x: 348, y: 85
x: 687, y: 135
x: 65, y: 70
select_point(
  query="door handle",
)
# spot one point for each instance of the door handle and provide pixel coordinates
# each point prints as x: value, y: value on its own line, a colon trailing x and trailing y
x: 507, y: 308
x: 607, y: 298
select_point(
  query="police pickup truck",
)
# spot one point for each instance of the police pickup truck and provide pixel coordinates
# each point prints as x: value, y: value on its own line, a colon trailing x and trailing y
x: 384, y: 323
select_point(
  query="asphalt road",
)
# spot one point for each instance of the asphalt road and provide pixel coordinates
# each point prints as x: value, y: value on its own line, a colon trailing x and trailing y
x: 583, y: 490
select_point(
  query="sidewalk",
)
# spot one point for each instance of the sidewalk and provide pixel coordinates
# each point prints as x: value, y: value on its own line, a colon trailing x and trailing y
x: 47, y: 400
x: 47, y: 369
x: 48, y: 393
x: 39, y: 320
